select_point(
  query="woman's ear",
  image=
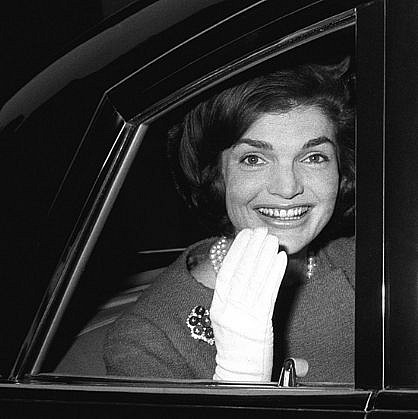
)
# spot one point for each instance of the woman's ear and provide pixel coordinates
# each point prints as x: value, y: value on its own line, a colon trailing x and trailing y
x: 223, y: 163
x: 346, y: 195
x: 343, y: 184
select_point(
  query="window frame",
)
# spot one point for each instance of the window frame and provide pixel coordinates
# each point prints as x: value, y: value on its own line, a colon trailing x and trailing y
x: 120, y: 157
x: 369, y: 319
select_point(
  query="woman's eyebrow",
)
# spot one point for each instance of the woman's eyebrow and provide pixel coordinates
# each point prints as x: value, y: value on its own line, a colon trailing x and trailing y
x: 267, y: 146
x: 318, y: 141
x: 254, y: 143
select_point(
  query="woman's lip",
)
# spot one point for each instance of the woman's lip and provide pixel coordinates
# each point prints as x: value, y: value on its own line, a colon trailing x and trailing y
x: 284, y: 216
x: 287, y: 206
x: 282, y: 212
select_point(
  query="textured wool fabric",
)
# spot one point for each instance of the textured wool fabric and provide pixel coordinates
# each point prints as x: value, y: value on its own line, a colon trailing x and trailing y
x: 152, y: 339
x: 313, y: 320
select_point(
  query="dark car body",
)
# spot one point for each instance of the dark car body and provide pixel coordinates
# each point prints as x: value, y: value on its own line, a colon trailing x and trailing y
x: 72, y: 136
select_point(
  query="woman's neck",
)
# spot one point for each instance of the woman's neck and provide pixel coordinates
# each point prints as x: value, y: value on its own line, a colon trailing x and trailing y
x: 296, y: 269
x: 297, y: 265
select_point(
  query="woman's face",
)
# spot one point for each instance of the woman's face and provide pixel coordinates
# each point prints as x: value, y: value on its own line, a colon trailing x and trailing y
x: 283, y: 174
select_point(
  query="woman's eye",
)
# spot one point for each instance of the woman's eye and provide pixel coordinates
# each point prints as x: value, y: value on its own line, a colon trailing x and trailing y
x: 252, y: 160
x: 316, y: 158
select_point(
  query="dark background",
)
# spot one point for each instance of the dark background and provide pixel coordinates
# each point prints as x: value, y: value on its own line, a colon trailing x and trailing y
x: 35, y: 33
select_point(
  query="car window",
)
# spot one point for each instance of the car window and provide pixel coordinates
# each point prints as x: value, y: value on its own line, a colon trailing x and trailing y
x: 150, y: 225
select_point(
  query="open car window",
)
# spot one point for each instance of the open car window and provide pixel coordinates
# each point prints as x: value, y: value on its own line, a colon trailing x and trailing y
x: 149, y: 225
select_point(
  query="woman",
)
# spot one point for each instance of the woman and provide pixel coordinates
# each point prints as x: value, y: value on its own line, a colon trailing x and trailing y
x: 270, y: 163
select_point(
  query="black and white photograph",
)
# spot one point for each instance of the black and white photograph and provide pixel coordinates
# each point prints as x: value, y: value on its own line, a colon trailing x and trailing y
x: 209, y: 209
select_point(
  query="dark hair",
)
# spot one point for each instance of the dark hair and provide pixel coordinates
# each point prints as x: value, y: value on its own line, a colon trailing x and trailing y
x: 196, y: 144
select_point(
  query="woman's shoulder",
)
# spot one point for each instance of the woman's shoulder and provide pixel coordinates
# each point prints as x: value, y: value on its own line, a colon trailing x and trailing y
x: 155, y: 328
x: 143, y: 313
x: 180, y: 270
x: 175, y: 285
x: 339, y: 247
x: 341, y: 254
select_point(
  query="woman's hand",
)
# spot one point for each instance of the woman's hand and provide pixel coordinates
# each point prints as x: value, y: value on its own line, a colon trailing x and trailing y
x: 242, y: 307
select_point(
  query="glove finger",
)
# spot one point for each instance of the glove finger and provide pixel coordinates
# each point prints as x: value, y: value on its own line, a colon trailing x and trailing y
x: 262, y: 269
x: 244, y: 272
x: 231, y: 261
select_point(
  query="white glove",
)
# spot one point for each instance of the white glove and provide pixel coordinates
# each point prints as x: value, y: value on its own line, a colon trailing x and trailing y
x: 242, y: 307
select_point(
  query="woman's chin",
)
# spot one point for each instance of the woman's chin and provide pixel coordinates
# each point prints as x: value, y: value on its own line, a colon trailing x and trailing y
x: 291, y: 249
x: 292, y: 240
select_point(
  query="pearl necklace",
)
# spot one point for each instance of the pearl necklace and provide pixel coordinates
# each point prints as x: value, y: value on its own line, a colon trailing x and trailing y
x: 218, y: 252
x: 220, y: 248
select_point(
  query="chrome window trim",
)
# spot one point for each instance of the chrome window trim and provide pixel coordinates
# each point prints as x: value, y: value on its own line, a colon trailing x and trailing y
x: 81, y: 245
x: 94, y: 223
x: 187, y: 387
x: 296, y: 39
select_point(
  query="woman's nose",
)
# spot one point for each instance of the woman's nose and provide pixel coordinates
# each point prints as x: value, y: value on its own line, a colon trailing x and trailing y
x: 285, y: 181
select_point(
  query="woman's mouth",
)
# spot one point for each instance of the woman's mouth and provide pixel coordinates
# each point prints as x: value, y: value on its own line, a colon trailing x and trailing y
x: 280, y: 214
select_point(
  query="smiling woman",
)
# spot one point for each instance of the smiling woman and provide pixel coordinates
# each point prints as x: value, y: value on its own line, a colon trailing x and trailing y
x: 270, y: 165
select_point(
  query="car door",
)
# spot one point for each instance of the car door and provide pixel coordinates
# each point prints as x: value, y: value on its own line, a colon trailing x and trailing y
x: 117, y: 191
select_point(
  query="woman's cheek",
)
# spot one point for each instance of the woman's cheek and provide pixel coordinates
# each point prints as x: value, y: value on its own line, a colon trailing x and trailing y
x: 239, y: 194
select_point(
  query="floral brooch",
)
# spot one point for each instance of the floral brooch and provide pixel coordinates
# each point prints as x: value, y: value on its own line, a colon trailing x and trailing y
x: 200, y: 325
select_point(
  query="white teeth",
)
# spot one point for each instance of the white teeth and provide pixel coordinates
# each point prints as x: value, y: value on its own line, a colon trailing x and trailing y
x: 291, y: 213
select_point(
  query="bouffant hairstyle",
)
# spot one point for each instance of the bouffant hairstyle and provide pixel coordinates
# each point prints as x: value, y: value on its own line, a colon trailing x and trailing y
x: 196, y: 144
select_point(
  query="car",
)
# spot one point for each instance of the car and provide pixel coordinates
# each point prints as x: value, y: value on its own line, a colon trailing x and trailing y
x: 92, y: 214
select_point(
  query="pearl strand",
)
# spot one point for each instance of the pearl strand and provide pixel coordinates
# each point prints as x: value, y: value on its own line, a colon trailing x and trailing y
x: 218, y: 252
x: 220, y: 248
